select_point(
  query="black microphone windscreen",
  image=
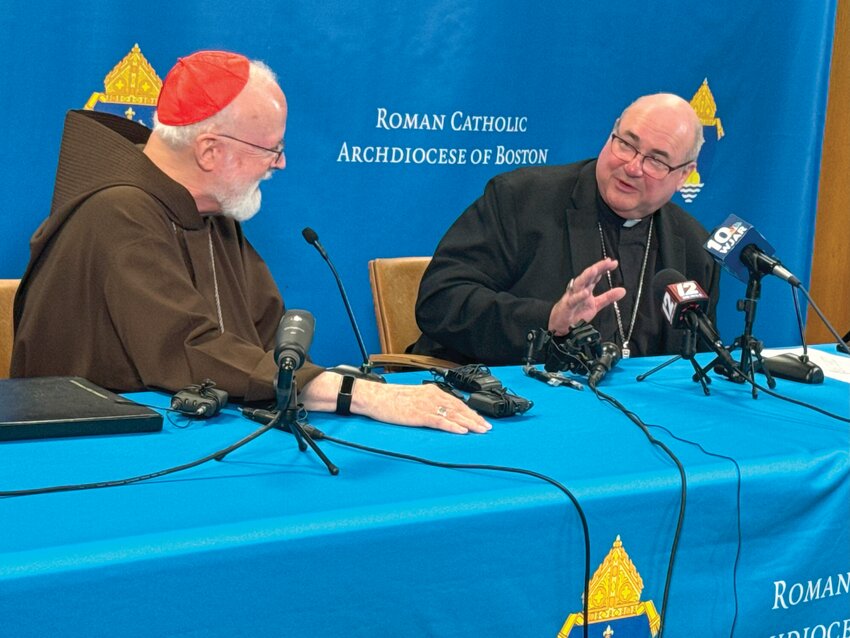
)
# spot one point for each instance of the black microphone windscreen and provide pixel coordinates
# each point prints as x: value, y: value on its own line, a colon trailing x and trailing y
x: 294, y: 336
x: 612, y: 352
x: 661, y: 280
x: 310, y: 235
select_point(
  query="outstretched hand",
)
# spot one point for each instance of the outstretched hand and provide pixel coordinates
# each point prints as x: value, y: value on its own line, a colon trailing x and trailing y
x: 412, y: 405
x: 417, y: 406
x: 578, y: 302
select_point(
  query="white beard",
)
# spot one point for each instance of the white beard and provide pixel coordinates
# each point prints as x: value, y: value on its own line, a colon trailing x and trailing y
x: 241, y: 204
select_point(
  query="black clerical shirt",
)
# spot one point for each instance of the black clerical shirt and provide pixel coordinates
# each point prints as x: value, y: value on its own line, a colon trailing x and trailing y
x: 625, y: 241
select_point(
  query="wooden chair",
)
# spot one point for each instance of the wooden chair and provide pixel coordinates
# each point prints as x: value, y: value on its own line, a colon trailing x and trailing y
x: 395, y: 286
x: 8, y: 288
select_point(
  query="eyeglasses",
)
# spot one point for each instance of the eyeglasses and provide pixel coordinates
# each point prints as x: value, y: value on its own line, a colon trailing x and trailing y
x: 277, y: 151
x: 651, y: 166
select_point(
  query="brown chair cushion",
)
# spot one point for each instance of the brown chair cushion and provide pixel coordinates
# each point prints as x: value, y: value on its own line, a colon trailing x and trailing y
x: 8, y: 287
x: 395, y: 286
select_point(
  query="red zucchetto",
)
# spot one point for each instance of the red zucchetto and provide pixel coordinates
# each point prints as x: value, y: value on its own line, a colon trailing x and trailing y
x: 200, y: 85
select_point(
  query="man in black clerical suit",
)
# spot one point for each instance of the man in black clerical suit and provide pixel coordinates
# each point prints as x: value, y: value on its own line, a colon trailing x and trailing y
x: 549, y: 246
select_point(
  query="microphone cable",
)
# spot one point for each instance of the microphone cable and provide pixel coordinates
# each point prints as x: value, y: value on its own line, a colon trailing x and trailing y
x: 607, y: 398
x: 220, y: 454
x: 169, y: 413
x: 636, y: 419
x: 737, y: 511
x: 798, y: 313
x: 190, y: 418
x: 318, y: 434
x: 803, y: 404
x: 842, y: 347
x: 495, y: 468
x: 750, y: 378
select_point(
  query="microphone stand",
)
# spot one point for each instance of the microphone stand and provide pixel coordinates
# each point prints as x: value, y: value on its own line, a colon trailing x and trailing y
x: 751, y: 359
x: 688, y: 351
x: 365, y: 367
x: 365, y: 370
x: 792, y: 366
x: 285, y: 416
x: 287, y: 406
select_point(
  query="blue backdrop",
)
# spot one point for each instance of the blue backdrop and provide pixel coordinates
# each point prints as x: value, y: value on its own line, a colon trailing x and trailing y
x: 559, y: 73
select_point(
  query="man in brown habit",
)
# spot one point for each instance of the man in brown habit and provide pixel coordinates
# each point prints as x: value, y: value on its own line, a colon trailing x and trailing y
x: 141, y: 276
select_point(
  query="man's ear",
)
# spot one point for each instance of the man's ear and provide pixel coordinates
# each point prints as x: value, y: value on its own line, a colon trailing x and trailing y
x: 208, y: 151
x: 686, y: 173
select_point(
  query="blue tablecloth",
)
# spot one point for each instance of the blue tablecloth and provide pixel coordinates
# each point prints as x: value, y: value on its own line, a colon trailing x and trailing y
x: 268, y: 543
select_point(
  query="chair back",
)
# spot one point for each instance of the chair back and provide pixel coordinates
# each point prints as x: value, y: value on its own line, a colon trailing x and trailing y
x: 8, y: 288
x: 395, y: 286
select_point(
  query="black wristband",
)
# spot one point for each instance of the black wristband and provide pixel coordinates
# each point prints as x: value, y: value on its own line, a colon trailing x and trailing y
x: 343, y: 399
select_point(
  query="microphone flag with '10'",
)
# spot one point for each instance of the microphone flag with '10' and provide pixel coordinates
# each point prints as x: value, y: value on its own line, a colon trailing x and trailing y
x: 743, y: 251
x: 293, y: 338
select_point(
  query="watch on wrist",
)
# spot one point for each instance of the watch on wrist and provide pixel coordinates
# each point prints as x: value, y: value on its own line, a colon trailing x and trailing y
x: 343, y: 399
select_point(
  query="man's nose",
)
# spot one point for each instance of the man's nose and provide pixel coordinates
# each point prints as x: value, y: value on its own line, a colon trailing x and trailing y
x: 635, y: 167
x: 280, y: 162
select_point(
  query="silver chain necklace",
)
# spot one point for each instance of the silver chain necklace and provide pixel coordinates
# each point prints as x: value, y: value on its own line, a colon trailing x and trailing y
x: 627, y: 337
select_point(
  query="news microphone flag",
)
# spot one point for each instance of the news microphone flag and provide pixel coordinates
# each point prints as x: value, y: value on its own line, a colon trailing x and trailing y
x: 728, y: 241
x: 681, y: 298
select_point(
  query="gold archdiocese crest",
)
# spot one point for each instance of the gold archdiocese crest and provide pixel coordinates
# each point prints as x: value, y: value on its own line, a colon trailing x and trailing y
x: 615, y: 591
x: 706, y: 108
x: 130, y: 89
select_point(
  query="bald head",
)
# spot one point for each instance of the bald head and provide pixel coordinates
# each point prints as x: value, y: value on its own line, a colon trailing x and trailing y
x: 661, y: 127
x: 673, y: 109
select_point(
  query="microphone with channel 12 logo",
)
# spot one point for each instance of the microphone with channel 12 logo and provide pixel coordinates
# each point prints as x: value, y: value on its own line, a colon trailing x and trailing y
x: 683, y: 304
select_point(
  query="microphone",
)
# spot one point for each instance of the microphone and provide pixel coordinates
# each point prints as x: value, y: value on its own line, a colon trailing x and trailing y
x: 611, y: 354
x: 312, y: 238
x: 743, y: 251
x: 679, y: 297
x: 683, y: 304
x: 293, y: 338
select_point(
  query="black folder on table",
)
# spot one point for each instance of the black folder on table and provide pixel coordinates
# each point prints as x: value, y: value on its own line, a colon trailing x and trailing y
x: 47, y: 407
